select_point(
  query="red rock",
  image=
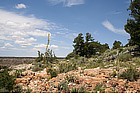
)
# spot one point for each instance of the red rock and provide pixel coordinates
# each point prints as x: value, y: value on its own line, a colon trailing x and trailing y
x: 38, y: 81
x: 18, y: 80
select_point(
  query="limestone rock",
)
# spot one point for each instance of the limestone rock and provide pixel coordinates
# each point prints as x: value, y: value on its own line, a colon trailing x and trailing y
x: 40, y: 82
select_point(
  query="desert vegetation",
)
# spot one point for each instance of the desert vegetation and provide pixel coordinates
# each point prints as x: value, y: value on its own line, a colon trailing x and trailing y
x: 91, y: 67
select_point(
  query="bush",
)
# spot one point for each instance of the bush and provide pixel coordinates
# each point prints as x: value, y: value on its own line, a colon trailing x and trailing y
x: 52, y: 72
x: 71, y: 55
x: 75, y: 90
x: 46, y: 58
x: 40, y: 57
x: 66, y: 67
x: 38, y: 67
x: 49, y: 56
x: 7, y: 82
x: 18, y: 73
x: 17, y: 89
x: 99, y: 88
x: 131, y: 74
x: 78, y: 90
x: 136, y: 60
x: 63, y: 87
x: 125, y: 57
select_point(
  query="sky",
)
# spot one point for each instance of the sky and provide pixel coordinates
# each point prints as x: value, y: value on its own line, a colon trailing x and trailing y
x: 25, y: 24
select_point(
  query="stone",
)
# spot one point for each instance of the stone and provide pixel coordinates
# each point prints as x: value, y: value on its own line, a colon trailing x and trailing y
x: 41, y: 82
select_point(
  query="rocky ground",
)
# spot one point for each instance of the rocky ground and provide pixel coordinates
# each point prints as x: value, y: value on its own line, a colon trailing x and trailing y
x: 95, y: 80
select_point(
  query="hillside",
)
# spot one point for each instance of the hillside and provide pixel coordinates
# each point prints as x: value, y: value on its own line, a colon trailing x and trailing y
x: 106, y: 73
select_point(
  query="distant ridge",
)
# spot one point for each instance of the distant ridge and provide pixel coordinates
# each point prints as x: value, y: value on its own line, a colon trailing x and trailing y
x: 30, y: 57
x: 22, y: 57
x: 10, y: 60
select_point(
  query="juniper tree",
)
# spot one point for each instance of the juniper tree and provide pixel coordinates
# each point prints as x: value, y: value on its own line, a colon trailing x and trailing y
x: 133, y: 24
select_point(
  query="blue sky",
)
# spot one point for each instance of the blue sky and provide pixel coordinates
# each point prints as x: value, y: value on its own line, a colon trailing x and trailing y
x: 25, y: 24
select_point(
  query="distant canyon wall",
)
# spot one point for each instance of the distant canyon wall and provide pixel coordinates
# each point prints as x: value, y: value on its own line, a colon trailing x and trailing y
x: 8, y: 61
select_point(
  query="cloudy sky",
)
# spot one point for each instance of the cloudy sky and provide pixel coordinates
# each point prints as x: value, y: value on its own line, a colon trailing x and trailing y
x: 25, y: 24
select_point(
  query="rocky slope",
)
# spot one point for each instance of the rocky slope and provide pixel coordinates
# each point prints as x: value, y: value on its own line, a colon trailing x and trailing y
x: 88, y: 80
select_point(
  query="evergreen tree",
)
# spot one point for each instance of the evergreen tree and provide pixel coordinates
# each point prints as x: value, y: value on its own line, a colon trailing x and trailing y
x: 133, y: 25
x: 89, y: 38
x: 87, y: 48
x: 79, y: 45
x: 117, y: 45
x: 104, y: 48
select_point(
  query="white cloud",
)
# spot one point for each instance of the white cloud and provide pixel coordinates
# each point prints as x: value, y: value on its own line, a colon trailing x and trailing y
x: 40, y: 46
x: 19, y: 22
x: 54, y: 46
x: 67, y: 3
x: 8, y: 45
x: 25, y: 41
x: 111, y: 28
x: 20, y: 6
x: 22, y: 30
x: 31, y: 39
x: 30, y: 32
x: 44, y: 46
x: 38, y: 32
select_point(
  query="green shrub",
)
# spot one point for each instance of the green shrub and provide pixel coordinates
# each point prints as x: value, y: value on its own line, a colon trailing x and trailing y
x: 66, y: 67
x: 131, y: 74
x: 71, y: 55
x: 99, y: 88
x: 82, y: 90
x: 78, y: 90
x: 18, y: 73
x: 52, y: 72
x: 28, y: 90
x: 17, y: 89
x: 7, y: 82
x: 74, y: 90
x: 40, y: 57
x: 136, y: 60
x: 50, y: 56
x: 63, y: 87
x: 125, y: 57
x: 38, y: 67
